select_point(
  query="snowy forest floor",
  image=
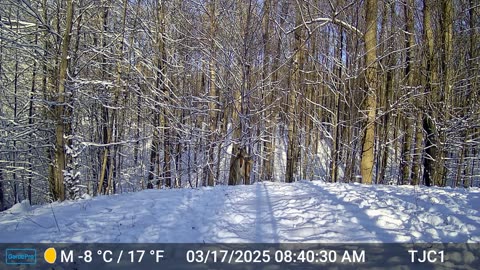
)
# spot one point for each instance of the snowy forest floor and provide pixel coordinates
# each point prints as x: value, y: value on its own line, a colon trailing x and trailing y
x: 264, y: 212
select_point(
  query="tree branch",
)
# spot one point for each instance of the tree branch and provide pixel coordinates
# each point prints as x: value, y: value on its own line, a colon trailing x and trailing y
x: 328, y: 20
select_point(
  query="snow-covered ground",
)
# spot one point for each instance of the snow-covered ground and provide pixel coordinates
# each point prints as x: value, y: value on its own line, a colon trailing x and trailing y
x: 264, y: 212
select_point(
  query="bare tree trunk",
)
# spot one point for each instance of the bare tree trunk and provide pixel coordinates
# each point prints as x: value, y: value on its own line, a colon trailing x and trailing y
x: 236, y: 124
x: 30, y: 123
x: 431, y: 173
x: 447, y: 31
x: 47, y: 96
x: 338, y: 110
x: 386, y: 124
x: 164, y: 85
x: 223, y: 133
x: 418, y: 150
x: 15, y: 115
x: 371, y: 88
x: 60, y: 158
x: 417, y: 157
x: 106, y: 130
x: 461, y: 165
x: 409, y: 72
x: 312, y: 93
x: 212, y: 104
x: 295, y: 87
x: 268, y: 116
x: 381, y: 147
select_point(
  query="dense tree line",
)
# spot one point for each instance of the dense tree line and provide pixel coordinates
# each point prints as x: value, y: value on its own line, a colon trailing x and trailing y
x: 103, y: 96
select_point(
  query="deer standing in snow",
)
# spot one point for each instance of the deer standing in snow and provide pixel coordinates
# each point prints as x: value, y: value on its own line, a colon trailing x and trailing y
x: 240, y: 168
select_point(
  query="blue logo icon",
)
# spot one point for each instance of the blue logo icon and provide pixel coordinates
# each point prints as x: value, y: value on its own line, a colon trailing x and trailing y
x: 20, y: 256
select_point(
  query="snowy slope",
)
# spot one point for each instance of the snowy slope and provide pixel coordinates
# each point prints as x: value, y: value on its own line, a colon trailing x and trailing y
x: 263, y: 212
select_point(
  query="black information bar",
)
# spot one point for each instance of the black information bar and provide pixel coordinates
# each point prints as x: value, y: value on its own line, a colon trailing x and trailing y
x: 239, y: 256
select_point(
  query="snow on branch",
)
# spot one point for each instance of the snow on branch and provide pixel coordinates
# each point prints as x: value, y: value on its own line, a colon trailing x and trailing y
x: 93, y: 82
x: 328, y: 20
x: 16, y: 23
x: 86, y: 144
